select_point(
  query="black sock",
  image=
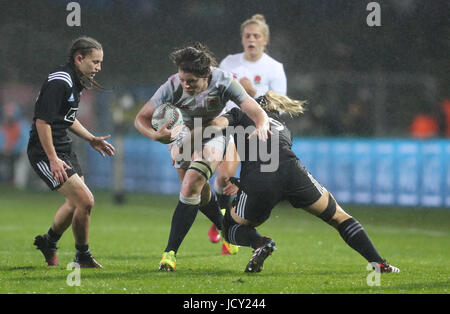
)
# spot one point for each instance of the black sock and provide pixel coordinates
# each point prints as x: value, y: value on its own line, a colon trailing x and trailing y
x: 224, y: 200
x: 82, y: 250
x: 212, y: 211
x: 182, y: 220
x: 53, y: 237
x: 354, y: 235
x: 244, y: 235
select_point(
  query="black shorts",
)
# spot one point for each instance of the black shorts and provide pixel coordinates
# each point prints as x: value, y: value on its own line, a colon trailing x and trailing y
x: 260, y: 192
x: 41, y: 166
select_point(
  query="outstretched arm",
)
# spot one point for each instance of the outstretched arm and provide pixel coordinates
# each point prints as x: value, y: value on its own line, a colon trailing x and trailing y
x: 97, y: 142
x: 259, y: 116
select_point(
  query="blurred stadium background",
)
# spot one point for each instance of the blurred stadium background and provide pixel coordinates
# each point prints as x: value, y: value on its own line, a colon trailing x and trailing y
x: 378, y: 120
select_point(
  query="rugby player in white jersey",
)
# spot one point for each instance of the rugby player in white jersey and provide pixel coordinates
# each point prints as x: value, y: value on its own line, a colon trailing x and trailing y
x: 200, y: 90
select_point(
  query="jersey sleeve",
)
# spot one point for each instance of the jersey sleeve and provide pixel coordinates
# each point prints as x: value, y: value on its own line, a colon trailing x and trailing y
x: 279, y: 82
x: 164, y: 93
x: 50, y: 99
x: 235, y: 92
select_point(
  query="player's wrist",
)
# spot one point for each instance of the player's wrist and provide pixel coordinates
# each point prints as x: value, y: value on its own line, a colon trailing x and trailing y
x: 53, y: 158
x: 90, y: 138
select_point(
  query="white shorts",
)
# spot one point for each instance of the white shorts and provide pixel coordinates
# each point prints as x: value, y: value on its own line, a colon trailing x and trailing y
x: 218, y: 143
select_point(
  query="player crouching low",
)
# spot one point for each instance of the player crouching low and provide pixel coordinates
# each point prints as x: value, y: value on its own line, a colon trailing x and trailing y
x: 260, y: 191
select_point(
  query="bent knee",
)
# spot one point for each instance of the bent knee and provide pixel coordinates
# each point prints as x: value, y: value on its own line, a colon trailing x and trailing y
x: 194, y: 181
x: 70, y: 205
x: 339, y: 217
x: 86, y: 202
x: 193, y: 187
x: 327, y: 209
x: 333, y: 214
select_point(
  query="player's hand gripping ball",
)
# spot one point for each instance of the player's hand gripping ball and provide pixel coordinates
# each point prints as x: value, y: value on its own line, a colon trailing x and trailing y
x: 166, y: 112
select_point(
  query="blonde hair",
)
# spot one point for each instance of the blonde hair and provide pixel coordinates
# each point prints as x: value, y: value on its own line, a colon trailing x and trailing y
x: 259, y: 20
x: 277, y: 102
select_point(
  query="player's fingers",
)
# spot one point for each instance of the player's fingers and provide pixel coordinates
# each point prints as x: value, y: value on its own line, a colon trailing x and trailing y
x: 66, y: 166
x: 64, y: 176
x: 178, y: 128
x: 58, y: 176
x: 111, y: 147
x: 55, y: 176
x: 102, y: 138
x: 227, y: 190
x: 109, y: 151
x: 108, y: 147
x: 231, y: 191
x: 165, y: 125
x: 176, y: 131
x: 100, y: 151
x: 262, y: 134
x: 252, y: 134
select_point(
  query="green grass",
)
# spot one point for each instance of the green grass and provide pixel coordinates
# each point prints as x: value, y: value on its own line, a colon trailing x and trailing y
x: 311, y: 257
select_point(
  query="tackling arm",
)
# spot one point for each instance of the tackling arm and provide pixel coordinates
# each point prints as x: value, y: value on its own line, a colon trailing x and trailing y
x: 97, y: 142
x: 259, y: 116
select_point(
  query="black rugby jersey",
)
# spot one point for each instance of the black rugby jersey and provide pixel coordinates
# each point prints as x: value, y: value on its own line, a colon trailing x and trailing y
x: 57, y: 104
x: 251, y: 158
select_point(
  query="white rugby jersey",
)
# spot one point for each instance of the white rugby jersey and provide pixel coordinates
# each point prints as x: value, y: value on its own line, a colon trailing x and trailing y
x: 265, y: 74
x: 206, y: 105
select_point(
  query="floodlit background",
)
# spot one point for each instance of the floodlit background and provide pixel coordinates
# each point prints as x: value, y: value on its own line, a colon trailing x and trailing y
x: 378, y: 114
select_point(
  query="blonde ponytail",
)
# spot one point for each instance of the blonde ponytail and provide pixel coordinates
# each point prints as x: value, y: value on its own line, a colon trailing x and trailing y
x: 277, y: 102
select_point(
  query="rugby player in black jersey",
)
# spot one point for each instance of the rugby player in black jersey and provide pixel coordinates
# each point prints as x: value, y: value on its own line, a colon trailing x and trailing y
x: 260, y: 189
x: 50, y: 148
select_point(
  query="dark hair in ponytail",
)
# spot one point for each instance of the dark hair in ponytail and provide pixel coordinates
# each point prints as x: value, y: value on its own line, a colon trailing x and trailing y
x: 195, y: 59
x: 83, y: 46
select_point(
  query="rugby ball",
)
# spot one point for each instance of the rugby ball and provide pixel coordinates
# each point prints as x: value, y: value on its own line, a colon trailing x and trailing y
x: 166, y: 112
